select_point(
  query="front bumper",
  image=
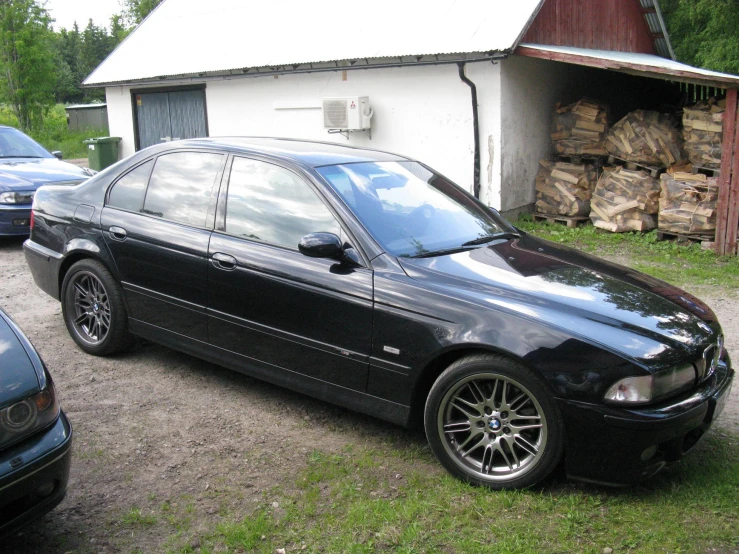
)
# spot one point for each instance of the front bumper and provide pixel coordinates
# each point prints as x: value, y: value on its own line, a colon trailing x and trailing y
x: 34, y: 475
x: 15, y: 219
x: 611, y: 445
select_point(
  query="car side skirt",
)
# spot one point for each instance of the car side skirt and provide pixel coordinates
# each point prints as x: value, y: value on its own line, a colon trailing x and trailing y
x: 304, y: 384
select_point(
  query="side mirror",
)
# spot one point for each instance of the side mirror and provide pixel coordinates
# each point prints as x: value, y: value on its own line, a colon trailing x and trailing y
x: 327, y: 245
x: 57, y: 154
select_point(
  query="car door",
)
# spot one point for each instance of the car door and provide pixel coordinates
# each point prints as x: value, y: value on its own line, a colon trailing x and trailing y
x: 157, y: 223
x: 270, y: 303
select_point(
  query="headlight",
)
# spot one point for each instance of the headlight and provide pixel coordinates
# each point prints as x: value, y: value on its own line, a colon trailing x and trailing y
x: 27, y: 416
x: 16, y: 197
x: 640, y: 390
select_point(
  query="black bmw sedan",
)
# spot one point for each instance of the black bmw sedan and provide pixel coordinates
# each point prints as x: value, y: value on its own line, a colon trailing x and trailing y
x: 368, y: 280
x: 35, y: 435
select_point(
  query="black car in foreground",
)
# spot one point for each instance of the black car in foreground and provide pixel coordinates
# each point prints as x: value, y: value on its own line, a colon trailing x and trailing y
x: 35, y: 435
x: 368, y: 280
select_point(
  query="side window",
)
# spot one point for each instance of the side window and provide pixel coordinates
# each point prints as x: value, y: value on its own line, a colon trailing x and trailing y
x: 273, y: 205
x: 180, y: 186
x: 128, y: 192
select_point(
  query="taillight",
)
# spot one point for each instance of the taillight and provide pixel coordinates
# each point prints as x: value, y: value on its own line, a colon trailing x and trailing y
x: 31, y: 224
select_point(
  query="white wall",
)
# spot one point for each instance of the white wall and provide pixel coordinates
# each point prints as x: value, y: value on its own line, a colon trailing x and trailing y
x: 422, y: 112
x: 529, y: 90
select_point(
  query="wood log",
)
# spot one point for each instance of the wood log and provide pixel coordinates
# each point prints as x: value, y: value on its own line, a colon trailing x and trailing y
x: 564, y: 189
x: 687, y: 205
x: 579, y: 129
x: 703, y: 126
x: 624, y: 200
x: 647, y: 138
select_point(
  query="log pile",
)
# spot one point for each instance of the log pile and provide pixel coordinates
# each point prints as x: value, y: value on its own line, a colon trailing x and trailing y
x: 645, y: 137
x: 625, y: 200
x: 687, y: 205
x: 580, y: 128
x: 564, y: 188
x: 703, y: 126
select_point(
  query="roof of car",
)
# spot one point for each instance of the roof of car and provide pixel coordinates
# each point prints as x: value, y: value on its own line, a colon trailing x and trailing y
x: 309, y: 153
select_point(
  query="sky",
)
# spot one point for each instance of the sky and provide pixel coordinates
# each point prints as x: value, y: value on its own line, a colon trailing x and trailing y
x: 66, y: 12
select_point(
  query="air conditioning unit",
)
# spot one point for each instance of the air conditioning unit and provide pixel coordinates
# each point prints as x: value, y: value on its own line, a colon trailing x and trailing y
x: 352, y: 113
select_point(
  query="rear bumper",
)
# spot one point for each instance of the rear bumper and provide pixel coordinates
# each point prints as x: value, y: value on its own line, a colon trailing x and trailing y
x: 15, y: 219
x: 44, y: 265
x: 618, y: 446
x: 34, y: 475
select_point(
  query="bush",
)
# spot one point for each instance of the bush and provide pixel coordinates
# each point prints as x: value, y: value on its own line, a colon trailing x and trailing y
x: 54, y: 135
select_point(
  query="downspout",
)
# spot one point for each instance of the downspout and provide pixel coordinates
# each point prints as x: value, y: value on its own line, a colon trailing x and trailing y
x: 475, y: 127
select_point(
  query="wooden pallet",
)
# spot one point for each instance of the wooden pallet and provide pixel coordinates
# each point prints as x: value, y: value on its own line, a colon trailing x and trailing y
x: 581, y: 159
x: 653, y: 171
x: 570, y: 221
x: 707, y: 171
x: 667, y: 235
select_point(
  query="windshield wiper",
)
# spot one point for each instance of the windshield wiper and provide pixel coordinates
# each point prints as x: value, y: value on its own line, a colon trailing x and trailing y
x: 488, y: 238
x: 442, y: 252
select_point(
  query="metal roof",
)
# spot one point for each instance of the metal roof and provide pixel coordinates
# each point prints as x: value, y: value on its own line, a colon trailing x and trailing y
x: 193, y: 38
x: 656, y: 22
x: 84, y: 106
x: 646, y: 65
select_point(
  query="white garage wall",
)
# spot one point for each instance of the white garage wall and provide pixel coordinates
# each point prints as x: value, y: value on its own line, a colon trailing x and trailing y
x: 530, y: 88
x: 422, y: 112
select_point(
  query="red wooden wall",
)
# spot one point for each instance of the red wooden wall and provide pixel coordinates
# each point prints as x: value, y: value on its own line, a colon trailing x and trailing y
x: 598, y: 24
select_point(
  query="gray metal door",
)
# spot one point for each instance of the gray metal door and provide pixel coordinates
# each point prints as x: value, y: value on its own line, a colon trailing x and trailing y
x: 165, y: 116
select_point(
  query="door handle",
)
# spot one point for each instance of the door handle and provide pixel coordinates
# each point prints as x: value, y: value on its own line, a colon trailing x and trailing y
x: 117, y: 233
x: 224, y: 261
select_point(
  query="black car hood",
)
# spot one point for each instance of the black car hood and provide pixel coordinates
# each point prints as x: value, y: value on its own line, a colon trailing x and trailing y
x: 18, y: 376
x: 638, y: 316
x: 31, y: 173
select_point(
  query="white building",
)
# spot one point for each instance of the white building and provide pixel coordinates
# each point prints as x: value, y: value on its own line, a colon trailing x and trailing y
x: 241, y: 67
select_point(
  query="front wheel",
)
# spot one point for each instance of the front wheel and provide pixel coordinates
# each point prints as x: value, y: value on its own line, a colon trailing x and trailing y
x: 491, y: 422
x: 93, y: 309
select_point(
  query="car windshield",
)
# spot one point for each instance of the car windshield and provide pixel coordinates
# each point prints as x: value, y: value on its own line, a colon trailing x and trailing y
x: 410, y: 210
x: 14, y: 144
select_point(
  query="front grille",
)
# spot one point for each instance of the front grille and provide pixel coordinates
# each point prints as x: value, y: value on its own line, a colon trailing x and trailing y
x: 706, y: 366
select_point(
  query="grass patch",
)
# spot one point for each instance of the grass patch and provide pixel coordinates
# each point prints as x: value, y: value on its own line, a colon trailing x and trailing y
x: 686, y: 265
x: 343, y: 503
x: 135, y: 518
x: 54, y: 134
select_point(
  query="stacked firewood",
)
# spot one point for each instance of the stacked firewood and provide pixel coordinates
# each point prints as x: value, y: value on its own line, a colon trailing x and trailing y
x: 645, y: 137
x: 688, y: 203
x: 564, y: 189
x: 625, y: 200
x: 580, y: 128
x: 703, y: 126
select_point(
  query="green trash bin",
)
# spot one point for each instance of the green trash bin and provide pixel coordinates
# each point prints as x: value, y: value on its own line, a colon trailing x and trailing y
x: 102, y: 152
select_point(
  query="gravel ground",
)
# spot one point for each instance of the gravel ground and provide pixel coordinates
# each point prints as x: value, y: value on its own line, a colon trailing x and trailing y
x: 154, y: 426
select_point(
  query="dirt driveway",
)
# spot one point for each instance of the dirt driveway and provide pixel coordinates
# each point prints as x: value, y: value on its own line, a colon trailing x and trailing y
x: 155, y: 427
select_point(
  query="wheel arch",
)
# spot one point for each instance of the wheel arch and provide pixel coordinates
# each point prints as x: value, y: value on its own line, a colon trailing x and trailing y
x: 82, y: 249
x: 436, y: 366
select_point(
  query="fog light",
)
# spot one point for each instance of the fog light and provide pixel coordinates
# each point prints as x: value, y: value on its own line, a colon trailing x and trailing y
x: 21, y: 222
x: 46, y: 489
x: 648, y: 453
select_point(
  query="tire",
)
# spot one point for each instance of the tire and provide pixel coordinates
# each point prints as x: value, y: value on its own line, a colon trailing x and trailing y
x: 93, y: 309
x: 491, y: 422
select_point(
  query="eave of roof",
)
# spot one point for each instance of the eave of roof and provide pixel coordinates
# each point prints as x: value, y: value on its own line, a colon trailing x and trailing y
x: 646, y: 65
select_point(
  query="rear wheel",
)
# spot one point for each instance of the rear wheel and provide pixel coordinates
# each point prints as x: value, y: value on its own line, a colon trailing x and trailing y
x: 491, y: 422
x: 93, y: 309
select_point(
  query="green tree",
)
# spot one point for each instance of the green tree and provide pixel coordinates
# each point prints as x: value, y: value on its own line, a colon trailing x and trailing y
x: 134, y: 11
x: 26, y: 60
x: 704, y: 33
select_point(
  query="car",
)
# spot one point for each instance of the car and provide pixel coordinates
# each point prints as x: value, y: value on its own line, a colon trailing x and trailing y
x: 25, y: 165
x: 35, y: 434
x: 368, y: 280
